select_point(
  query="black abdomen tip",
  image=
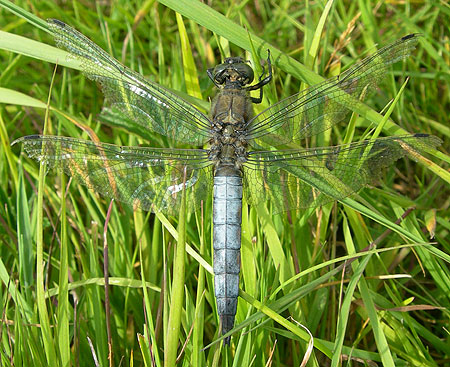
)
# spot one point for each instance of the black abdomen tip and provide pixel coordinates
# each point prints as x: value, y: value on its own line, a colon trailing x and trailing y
x: 421, y: 135
x: 226, y: 323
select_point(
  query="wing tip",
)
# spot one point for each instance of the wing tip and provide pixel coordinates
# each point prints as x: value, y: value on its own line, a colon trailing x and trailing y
x: 411, y: 36
x: 433, y: 140
x: 25, y: 138
x: 57, y: 22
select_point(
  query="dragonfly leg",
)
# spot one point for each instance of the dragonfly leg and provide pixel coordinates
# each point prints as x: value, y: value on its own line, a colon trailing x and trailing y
x: 262, y: 82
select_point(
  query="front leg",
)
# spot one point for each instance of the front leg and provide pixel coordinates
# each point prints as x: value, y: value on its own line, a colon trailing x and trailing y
x: 262, y: 82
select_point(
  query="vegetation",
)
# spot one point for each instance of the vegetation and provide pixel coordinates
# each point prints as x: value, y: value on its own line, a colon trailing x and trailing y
x: 389, y: 306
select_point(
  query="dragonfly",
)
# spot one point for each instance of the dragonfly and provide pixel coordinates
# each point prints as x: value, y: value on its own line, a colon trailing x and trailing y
x: 233, y: 153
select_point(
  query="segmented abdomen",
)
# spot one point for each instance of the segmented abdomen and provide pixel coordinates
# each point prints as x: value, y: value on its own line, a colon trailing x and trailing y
x: 227, y: 217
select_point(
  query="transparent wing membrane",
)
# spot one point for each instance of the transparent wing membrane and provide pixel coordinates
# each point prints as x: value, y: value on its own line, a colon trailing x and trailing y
x: 153, y: 178
x: 153, y: 107
x: 147, y: 178
x: 294, y: 179
x: 323, y: 105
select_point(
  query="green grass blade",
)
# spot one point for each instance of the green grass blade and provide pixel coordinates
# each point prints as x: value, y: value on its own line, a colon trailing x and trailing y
x: 190, y: 70
x: 63, y: 310
x: 177, y: 296
x: 38, y: 50
x: 24, y: 234
x: 47, y: 337
x: 315, y: 41
x: 6, y: 145
x: 344, y: 312
x: 21, y: 12
x: 377, y: 328
x: 222, y: 26
x: 95, y: 304
x: 198, y: 358
x: 248, y: 266
x: 388, y: 113
x: 273, y: 241
x: 149, y: 338
x: 9, y: 96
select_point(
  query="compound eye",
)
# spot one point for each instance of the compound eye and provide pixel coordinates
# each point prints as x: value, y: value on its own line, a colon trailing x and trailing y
x: 219, y: 78
x: 219, y: 73
x: 245, y: 72
x: 250, y: 76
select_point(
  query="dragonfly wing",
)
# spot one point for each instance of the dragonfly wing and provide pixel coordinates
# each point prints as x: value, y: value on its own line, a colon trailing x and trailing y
x: 147, y: 178
x: 295, y: 179
x: 321, y: 106
x: 149, y: 104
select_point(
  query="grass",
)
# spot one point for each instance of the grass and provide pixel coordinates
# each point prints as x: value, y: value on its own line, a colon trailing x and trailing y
x: 390, y: 309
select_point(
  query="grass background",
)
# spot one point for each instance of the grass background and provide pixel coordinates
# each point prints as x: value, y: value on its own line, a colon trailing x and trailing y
x: 391, y: 308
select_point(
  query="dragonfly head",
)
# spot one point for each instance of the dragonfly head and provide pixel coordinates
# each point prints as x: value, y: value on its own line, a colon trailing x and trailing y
x: 234, y: 70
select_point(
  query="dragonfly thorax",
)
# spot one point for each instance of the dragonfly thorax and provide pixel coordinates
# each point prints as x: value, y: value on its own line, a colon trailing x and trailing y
x: 230, y: 113
x: 228, y: 147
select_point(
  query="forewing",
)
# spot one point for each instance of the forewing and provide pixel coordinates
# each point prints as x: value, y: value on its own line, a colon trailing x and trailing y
x: 294, y: 179
x: 148, y: 104
x: 317, y: 108
x: 147, y: 178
